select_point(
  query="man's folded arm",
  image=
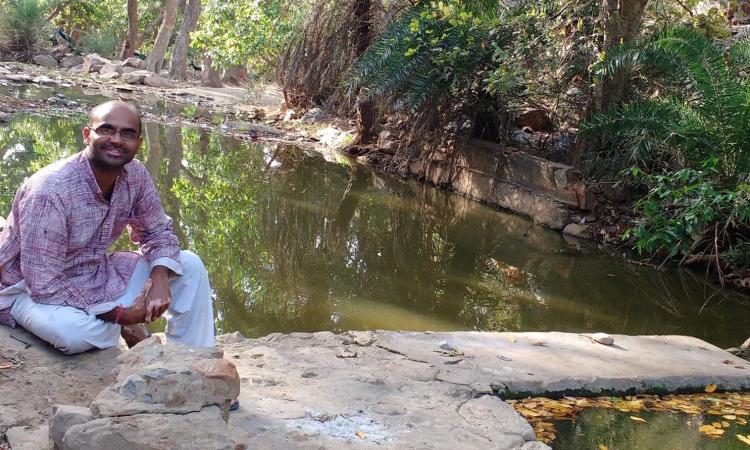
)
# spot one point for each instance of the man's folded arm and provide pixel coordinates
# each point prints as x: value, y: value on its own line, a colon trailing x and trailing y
x: 43, y: 251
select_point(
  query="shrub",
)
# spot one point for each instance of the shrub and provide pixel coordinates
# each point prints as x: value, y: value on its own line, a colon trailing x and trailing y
x: 23, y: 27
x: 688, y: 143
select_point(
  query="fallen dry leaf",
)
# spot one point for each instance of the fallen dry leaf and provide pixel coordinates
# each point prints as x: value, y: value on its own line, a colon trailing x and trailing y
x: 711, y: 388
x: 6, y: 366
x: 638, y: 419
x: 361, y: 434
x: 745, y: 439
x: 603, y: 447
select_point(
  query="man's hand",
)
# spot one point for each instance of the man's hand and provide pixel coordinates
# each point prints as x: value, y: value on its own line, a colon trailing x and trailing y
x: 159, y: 297
x: 136, y: 312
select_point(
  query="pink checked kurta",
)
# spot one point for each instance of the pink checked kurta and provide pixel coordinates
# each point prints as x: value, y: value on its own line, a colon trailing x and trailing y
x: 60, y: 227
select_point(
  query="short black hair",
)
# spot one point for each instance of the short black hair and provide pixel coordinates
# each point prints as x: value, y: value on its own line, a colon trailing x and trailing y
x: 111, y: 103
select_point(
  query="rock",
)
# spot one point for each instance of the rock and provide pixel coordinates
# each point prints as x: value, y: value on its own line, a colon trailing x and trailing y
x: 496, y: 416
x: 135, y: 62
x: 94, y: 63
x: 19, y: 77
x: 4, y: 117
x: 448, y: 346
x: 27, y: 438
x: 157, y: 81
x: 385, y: 143
x: 199, y: 430
x: 254, y: 128
x: 136, y: 77
x: 332, y: 137
x: 63, y: 418
x: 76, y: 69
x: 157, y: 378
x: 115, y: 67
x: 314, y: 115
x: 536, y: 120
x: 110, y: 76
x: 70, y: 61
x: 536, y: 445
x: 45, y: 61
x: 603, y: 338
x: 43, y: 79
x: 56, y: 101
x: 290, y: 114
x: 577, y: 230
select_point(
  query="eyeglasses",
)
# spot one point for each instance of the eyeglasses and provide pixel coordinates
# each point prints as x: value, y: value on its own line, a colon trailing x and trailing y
x: 108, y: 131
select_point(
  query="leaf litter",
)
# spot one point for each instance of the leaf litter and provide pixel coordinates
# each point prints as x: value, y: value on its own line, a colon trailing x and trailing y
x: 720, y: 410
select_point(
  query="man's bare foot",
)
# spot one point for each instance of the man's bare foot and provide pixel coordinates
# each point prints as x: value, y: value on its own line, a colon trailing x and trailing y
x: 134, y: 334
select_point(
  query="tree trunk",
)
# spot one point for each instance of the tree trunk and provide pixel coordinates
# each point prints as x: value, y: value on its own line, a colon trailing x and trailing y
x: 131, y: 41
x: 622, y: 18
x: 155, y: 59
x: 178, y: 66
x: 235, y: 75
x: 211, y: 76
x: 362, y: 38
x: 151, y: 29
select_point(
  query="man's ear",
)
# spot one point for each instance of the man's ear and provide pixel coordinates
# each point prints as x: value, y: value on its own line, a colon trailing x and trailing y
x: 86, y: 132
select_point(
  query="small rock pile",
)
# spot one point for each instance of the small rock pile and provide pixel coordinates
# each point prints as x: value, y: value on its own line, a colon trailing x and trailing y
x: 166, y: 396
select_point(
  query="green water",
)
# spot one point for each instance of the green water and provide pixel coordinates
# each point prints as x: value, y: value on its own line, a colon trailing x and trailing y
x: 297, y: 243
x: 662, y: 431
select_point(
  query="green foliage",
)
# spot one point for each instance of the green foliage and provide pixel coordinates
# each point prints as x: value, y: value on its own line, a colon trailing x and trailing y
x: 684, y: 206
x: 104, y: 42
x: 240, y: 31
x: 690, y: 144
x: 22, y: 25
x: 434, y: 51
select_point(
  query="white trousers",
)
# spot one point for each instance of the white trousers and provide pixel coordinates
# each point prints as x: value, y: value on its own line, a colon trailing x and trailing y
x: 190, y: 318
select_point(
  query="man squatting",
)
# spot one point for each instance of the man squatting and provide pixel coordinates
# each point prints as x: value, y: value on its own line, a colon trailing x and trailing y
x: 57, y: 280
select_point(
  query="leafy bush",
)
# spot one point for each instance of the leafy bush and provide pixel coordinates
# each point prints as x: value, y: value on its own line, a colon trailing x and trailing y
x: 22, y: 26
x: 689, y: 143
x: 104, y: 42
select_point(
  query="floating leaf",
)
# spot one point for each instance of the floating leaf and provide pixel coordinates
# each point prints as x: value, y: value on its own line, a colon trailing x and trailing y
x: 603, y: 447
x: 361, y: 434
x: 6, y: 366
x: 638, y: 419
x: 711, y: 388
x: 745, y: 439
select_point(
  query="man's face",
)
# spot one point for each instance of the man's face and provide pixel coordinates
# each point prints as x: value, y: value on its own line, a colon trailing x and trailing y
x: 113, y: 138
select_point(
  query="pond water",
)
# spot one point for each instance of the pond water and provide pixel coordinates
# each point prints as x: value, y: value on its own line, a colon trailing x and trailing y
x: 297, y: 243
x: 616, y: 430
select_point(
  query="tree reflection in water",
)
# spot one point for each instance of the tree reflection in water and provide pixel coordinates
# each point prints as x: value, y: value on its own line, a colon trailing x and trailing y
x: 294, y: 243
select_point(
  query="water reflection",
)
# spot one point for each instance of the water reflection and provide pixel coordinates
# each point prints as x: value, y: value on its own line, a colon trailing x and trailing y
x: 294, y: 243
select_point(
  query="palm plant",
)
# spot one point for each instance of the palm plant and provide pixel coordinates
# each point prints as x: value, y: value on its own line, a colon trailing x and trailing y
x: 429, y: 55
x: 699, y: 113
x: 688, y: 142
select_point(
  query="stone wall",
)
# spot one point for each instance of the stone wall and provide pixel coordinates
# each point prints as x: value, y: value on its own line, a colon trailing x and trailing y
x: 550, y: 193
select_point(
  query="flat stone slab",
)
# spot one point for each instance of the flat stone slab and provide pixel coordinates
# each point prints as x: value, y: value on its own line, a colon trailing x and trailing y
x: 320, y: 390
x: 442, y: 390
x: 517, y: 365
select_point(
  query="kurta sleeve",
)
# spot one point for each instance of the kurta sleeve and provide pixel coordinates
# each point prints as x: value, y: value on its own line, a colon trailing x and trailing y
x: 151, y: 229
x: 43, y: 235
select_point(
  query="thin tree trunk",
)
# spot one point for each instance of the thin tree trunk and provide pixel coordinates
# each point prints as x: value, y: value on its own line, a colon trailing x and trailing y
x: 622, y: 18
x: 151, y: 29
x: 155, y: 59
x: 131, y: 40
x: 211, y: 76
x: 178, y: 66
x: 362, y: 38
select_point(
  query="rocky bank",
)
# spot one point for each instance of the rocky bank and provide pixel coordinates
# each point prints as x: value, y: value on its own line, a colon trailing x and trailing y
x: 372, y: 389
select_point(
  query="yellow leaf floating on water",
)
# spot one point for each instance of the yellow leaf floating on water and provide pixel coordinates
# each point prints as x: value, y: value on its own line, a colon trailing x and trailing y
x: 638, y: 419
x: 604, y: 447
x: 361, y: 434
x: 745, y: 439
x: 711, y: 388
x: 730, y: 417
